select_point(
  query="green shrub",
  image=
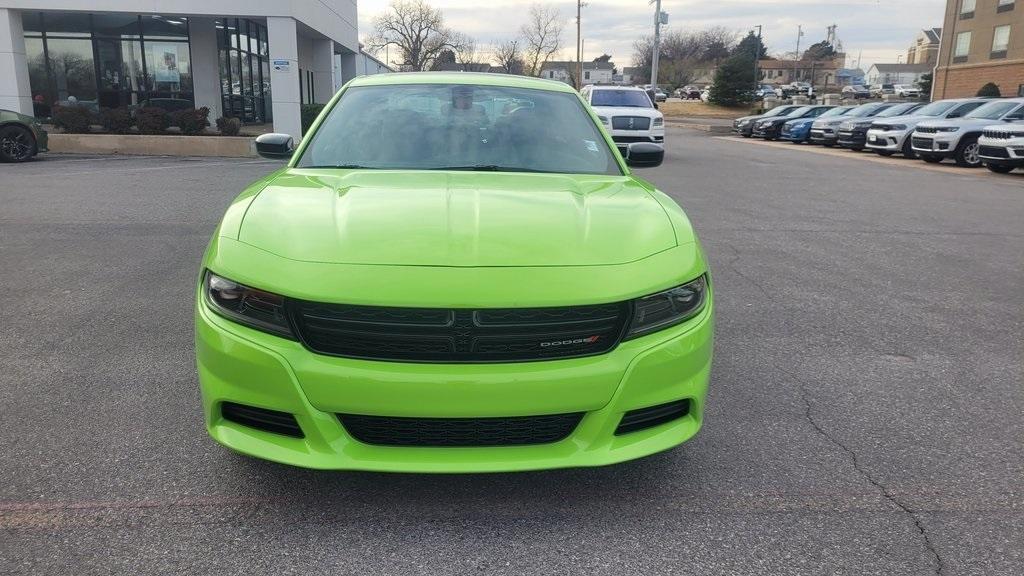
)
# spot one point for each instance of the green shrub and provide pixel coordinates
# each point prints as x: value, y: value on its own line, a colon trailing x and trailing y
x: 989, y: 90
x: 229, y: 126
x: 309, y: 114
x: 191, y: 121
x: 117, y: 120
x: 152, y: 120
x: 73, y: 119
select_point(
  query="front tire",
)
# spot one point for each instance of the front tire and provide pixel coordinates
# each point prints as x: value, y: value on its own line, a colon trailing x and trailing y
x: 908, y: 149
x: 966, y: 154
x: 999, y: 168
x: 16, y: 144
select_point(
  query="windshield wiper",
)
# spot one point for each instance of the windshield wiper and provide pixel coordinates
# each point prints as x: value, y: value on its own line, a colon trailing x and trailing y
x: 486, y: 168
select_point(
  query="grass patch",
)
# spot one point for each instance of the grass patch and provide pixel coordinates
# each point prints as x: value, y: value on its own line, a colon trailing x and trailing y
x: 698, y: 109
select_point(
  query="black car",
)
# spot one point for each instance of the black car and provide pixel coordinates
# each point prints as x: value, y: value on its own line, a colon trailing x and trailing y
x: 771, y: 128
x: 824, y: 130
x: 857, y: 92
x: 745, y: 126
x: 853, y: 133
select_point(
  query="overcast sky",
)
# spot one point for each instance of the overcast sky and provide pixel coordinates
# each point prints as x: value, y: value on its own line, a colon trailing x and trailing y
x: 882, y: 29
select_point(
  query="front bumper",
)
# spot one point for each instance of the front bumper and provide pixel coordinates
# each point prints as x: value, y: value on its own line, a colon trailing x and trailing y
x: 823, y: 135
x: 1002, y: 151
x: 935, y: 144
x: 241, y: 365
x: 795, y: 134
x: 852, y: 138
x: 623, y: 138
x: 891, y: 140
x: 770, y: 131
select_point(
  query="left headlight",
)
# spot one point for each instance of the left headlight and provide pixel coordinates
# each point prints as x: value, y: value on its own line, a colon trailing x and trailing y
x: 604, y: 120
x: 659, y: 121
x: 254, y: 308
x: 668, y: 308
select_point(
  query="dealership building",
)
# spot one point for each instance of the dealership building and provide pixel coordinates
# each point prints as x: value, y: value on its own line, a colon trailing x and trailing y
x: 257, y: 60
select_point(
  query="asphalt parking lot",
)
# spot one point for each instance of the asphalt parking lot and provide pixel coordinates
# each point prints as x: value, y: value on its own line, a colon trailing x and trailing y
x: 864, y: 418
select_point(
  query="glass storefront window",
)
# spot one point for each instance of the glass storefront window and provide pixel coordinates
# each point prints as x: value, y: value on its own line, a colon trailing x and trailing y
x: 117, y: 25
x: 67, y: 24
x: 42, y: 97
x: 245, y: 70
x: 165, y: 27
x: 32, y: 22
x: 72, y: 71
x: 169, y: 69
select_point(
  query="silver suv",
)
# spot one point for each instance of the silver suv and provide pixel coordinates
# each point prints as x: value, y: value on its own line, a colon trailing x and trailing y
x: 958, y: 138
x: 892, y: 135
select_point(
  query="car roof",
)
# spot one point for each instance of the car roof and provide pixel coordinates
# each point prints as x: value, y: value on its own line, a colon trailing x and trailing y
x: 473, y: 78
x: 624, y: 88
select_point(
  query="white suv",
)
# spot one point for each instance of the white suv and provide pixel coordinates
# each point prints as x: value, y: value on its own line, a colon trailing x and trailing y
x: 1001, y: 147
x: 892, y: 135
x: 627, y: 114
x: 958, y: 138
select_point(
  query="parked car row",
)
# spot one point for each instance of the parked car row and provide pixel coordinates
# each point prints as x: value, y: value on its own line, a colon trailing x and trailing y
x: 969, y: 131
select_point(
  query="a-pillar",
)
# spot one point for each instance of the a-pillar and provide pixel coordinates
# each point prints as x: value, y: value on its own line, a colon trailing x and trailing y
x: 284, y: 75
x: 15, y: 91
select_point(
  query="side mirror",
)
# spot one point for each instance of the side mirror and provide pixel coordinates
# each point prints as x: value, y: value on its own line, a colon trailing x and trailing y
x: 275, y: 146
x: 644, y: 155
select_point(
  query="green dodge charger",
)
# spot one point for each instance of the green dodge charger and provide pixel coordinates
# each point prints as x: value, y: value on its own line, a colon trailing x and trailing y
x: 454, y: 273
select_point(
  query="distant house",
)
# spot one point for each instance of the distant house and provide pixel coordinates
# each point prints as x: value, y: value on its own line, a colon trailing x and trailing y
x: 925, y: 49
x: 468, y: 67
x: 897, y: 73
x: 630, y: 75
x: 817, y: 72
x: 849, y: 76
x: 565, y: 71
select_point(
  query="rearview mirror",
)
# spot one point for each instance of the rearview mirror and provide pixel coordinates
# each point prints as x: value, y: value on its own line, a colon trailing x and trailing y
x: 275, y: 146
x: 644, y: 155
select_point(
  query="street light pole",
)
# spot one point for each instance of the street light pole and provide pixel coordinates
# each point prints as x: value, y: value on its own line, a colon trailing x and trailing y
x: 757, y: 56
x: 657, y: 44
x: 796, y: 58
x: 579, y: 44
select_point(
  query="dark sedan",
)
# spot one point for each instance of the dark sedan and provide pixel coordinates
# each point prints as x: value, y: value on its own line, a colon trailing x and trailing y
x: 745, y: 126
x: 771, y: 128
x: 853, y: 133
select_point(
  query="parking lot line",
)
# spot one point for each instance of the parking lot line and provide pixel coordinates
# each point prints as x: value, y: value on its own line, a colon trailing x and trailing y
x: 869, y: 157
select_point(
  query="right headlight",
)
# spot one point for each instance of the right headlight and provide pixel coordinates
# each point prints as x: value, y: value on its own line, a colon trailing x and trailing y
x: 254, y: 308
x: 668, y: 308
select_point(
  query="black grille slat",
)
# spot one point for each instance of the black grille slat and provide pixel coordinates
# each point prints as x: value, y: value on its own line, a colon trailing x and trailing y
x: 459, y: 335
x: 460, y: 432
x: 993, y: 152
x: 643, y: 418
x: 927, y: 130
x: 262, y: 419
x: 925, y: 143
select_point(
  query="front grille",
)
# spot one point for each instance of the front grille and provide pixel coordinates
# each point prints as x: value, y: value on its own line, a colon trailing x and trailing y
x: 262, y: 419
x: 650, y: 417
x: 460, y: 432
x: 927, y: 130
x: 993, y: 152
x: 630, y: 139
x: 1001, y: 134
x: 459, y: 334
x: 922, y: 143
x: 630, y: 123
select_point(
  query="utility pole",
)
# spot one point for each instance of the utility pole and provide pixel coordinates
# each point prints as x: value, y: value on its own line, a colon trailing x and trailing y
x: 657, y: 44
x: 757, y: 57
x: 579, y: 44
x: 796, y: 58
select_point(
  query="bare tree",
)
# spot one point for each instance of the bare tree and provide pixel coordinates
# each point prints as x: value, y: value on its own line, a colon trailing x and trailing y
x: 509, y: 56
x: 683, y: 54
x: 417, y: 30
x: 465, y: 49
x: 543, y: 36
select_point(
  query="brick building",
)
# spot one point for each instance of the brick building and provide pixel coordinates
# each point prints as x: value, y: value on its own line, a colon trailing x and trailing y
x: 982, y: 41
x: 925, y: 49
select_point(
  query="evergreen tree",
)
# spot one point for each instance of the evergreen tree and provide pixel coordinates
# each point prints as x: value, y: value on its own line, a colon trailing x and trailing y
x: 734, y: 82
x: 820, y: 51
x: 989, y: 90
x: 925, y: 83
x: 749, y: 46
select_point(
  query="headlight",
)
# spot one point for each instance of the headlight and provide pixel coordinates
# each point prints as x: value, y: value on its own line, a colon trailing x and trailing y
x: 254, y: 308
x: 744, y: 122
x: 604, y: 120
x: 897, y: 127
x: 948, y: 129
x: 668, y: 308
x: 659, y: 121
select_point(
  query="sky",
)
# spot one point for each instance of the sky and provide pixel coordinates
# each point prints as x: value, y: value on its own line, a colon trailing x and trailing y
x: 879, y: 30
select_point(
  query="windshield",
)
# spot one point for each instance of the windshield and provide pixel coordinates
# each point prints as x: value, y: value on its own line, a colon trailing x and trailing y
x: 780, y: 111
x: 799, y: 111
x: 859, y: 88
x: 862, y: 111
x: 935, y: 109
x: 459, y: 127
x: 993, y: 110
x: 897, y: 110
x: 627, y: 98
x: 840, y: 111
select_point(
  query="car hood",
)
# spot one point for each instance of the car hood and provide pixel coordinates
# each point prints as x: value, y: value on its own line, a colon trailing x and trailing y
x: 832, y: 120
x: 420, y: 218
x: 627, y: 111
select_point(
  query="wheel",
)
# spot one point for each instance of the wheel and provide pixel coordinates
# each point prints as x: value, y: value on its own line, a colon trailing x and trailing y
x: 16, y: 144
x: 999, y: 168
x: 885, y: 153
x: 856, y: 148
x: 967, y: 153
x: 908, y: 149
x: 931, y: 159
x: 746, y: 135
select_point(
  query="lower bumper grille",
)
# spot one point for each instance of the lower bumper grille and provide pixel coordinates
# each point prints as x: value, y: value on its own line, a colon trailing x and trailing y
x: 262, y: 419
x: 993, y: 152
x: 643, y: 418
x: 922, y: 143
x: 460, y: 432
